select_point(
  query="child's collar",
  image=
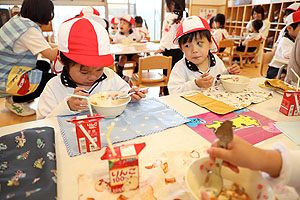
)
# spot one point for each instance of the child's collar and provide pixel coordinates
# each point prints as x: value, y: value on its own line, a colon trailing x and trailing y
x: 66, y: 81
x: 191, y: 66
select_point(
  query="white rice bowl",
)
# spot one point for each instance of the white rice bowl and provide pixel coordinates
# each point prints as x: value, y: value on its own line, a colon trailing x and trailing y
x: 234, y: 83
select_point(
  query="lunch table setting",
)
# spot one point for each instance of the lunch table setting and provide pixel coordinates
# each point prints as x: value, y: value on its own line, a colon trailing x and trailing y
x: 151, y: 149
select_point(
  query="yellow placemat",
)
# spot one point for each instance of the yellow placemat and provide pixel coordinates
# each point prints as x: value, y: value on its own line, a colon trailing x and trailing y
x: 278, y: 85
x: 211, y: 104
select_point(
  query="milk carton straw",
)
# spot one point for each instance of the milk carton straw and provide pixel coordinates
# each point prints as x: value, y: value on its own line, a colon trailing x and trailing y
x: 108, y: 140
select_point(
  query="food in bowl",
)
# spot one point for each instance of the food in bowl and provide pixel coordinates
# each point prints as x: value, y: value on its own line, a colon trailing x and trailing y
x: 250, y: 184
x: 139, y: 46
x: 109, y: 104
x: 234, y: 83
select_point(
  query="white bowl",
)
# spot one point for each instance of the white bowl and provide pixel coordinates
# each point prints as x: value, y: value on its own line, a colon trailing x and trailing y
x: 109, y: 107
x: 234, y: 83
x: 252, y: 181
x: 139, y: 46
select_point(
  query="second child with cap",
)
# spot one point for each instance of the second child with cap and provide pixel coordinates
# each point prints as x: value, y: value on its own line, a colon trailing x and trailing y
x: 84, y: 47
x: 113, y: 29
x: 199, y: 67
x: 126, y: 34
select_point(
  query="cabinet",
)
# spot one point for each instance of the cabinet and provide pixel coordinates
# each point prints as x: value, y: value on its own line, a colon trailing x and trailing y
x: 237, y: 18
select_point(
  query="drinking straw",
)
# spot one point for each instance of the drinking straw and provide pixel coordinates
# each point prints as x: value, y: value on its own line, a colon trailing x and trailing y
x: 86, y: 98
x: 297, y: 77
x: 88, y: 136
x: 108, y: 140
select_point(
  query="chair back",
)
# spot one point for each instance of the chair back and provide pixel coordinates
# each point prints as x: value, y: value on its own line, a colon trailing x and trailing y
x: 266, y: 59
x: 148, y: 76
x: 252, y: 43
x: 226, y: 43
x: 229, y: 44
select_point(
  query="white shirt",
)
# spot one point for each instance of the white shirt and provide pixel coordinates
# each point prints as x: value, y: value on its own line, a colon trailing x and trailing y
x: 182, y: 79
x: 264, y: 30
x: 143, y: 31
x: 32, y: 40
x: 120, y: 38
x: 169, y: 33
x: 252, y: 36
x: 220, y: 34
x: 53, y: 100
x: 283, y: 51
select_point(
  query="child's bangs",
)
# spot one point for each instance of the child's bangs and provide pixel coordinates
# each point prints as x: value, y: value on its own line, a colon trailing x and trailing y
x: 197, y: 35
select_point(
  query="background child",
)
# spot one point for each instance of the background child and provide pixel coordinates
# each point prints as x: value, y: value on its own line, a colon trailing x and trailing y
x: 254, y: 35
x: 21, y: 40
x: 170, y: 24
x: 199, y: 66
x: 113, y: 30
x: 125, y: 35
x: 84, y: 51
x: 220, y: 32
x: 286, y: 43
x: 294, y: 63
x: 281, y: 166
x: 138, y: 26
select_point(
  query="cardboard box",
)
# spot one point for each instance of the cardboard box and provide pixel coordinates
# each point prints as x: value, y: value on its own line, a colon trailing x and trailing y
x: 124, y: 167
x: 91, y: 124
x: 290, y: 103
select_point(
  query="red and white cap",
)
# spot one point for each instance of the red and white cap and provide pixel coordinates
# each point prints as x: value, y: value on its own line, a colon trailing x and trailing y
x: 294, y: 7
x: 85, y: 41
x: 192, y: 24
x: 128, y: 19
x: 115, y: 20
x: 93, y: 14
x: 292, y: 18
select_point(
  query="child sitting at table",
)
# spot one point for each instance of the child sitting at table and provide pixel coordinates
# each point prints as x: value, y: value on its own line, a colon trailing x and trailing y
x: 113, y: 30
x: 280, y: 166
x: 220, y: 33
x: 199, y: 67
x: 84, y: 51
x: 126, y: 35
x: 285, y: 45
x: 138, y: 26
x: 254, y: 35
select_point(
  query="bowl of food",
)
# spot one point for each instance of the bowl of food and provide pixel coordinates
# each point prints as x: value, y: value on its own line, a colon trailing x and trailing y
x: 139, y: 46
x: 245, y: 185
x: 234, y: 83
x: 109, y: 104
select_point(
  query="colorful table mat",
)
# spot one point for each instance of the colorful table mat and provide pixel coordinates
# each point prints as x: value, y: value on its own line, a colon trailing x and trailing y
x: 247, y: 124
x: 28, y: 164
x: 139, y: 119
x: 218, y: 100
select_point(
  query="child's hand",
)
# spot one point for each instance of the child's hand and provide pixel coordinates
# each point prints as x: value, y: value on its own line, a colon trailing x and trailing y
x: 138, y: 95
x: 158, y: 51
x: 76, y: 103
x: 234, y: 69
x: 204, y: 81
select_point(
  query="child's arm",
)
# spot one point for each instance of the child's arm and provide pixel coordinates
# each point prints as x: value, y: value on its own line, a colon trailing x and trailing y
x: 75, y: 103
x: 243, y: 154
x: 138, y: 95
x: 234, y: 69
x: 204, y: 81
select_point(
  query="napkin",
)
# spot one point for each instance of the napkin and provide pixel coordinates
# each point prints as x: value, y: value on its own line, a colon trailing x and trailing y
x: 277, y: 85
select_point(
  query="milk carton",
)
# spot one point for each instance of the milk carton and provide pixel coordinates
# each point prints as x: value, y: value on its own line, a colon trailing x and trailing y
x: 91, y: 124
x: 124, y: 167
x: 290, y: 103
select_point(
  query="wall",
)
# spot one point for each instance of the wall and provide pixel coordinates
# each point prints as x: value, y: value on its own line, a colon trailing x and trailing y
x: 196, y: 5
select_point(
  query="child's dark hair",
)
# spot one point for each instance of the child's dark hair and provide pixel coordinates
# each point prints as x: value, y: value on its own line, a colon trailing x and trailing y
x: 211, y: 21
x: 140, y: 20
x: 179, y: 6
x: 259, y: 10
x: 221, y: 19
x: 107, y: 24
x: 67, y: 62
x: 257, y: 24
x: 39, y: 11
x: 295, y: 25
x: 287, y: 12
x: 197, y: 34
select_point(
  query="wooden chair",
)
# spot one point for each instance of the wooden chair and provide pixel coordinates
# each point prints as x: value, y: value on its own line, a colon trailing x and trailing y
x: 266, y: 59
x: 245, y: 54
x: 148, y: 74
x: 227, y: 44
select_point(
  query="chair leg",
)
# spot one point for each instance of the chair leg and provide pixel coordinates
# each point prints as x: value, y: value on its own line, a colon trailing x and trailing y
x: 241, y: 62
x: 230, y: 61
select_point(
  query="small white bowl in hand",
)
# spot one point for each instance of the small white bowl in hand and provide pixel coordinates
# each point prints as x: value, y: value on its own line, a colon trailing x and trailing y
x: 108, y: 104
x: 252, y: 181
x: 234, y: 83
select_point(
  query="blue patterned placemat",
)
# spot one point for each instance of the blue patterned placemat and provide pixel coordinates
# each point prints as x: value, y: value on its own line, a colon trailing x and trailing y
x: 139, y: 119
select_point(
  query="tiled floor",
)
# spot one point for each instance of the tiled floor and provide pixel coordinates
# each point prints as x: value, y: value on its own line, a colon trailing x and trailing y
x: 8, y: 118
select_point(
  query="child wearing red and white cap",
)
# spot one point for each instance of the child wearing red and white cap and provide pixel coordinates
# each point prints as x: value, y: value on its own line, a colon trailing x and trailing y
x: 285, y: 45
x: 199, y: 67
x: 125, y: 35
x: 84, y: 51
x: 114, y: 23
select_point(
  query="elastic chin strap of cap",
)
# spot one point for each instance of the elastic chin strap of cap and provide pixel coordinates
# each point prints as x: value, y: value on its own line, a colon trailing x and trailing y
x: 54, y: 69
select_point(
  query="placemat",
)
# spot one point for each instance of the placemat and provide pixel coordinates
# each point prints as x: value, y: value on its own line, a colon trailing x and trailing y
x: 28, y: 164
x: 139, y: 119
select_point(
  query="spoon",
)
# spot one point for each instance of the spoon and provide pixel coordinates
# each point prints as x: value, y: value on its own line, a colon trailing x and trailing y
x: 214, y: 182
x: 129, y: 94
